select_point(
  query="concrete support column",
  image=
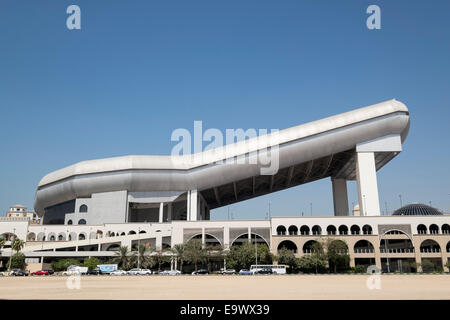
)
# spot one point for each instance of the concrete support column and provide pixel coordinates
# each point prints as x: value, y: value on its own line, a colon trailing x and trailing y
x: 169, y: 211
x: 203, y: 237
x: 352, y: 261
x: 226, y: 237
x: 161, y: 212
x: 366, y: 177
x: 340, y: 197
x: 192, y: 205
x: 158, y: 243
x: 249, y: 234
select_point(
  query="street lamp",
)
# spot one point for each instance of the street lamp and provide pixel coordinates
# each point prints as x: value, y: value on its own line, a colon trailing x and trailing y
x: 139, y: 244
x: 401, y: 202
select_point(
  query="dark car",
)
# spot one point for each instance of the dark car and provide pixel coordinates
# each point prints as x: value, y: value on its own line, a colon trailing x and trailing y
x: 95, y: 271
x: 19, y: 273
x: 264, y: 271
x: 201, y: 271
x: 49, y: 271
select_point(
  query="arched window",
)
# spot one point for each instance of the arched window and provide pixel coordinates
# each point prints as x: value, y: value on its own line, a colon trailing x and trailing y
x: 367, y: 229
x: 81, y: 236
x: 430, y: 246
x: 434, y: 229
x: 82, y: 221
x: 281, y: 230
x: 354, y: 229
x: 421, y: 229
x: 69, y: 222
x: 445, y: 229
x: 304, y: 230
x: 289, y: 245
x: 311, y: 246
x: 331, y: 230
x: 316, y: 230
x: 83, y: 208
x: 363, y: 246
x: 343, y: 229
x: 293, y: 230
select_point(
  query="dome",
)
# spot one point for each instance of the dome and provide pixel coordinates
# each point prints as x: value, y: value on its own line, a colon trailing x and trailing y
x: 417, y: 209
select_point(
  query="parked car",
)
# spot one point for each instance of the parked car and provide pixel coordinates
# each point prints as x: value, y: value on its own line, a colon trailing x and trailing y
x: 138, y: 271
x: 50, y: 271
x: 227, y: 271
x: 40, y: 273
x: 18, y: 273
x: 264, y: 271
x: 118, y: 273
x: 170, y: 272
x: 201, y: 271
x: 244, y: 272
x: 95, y: 271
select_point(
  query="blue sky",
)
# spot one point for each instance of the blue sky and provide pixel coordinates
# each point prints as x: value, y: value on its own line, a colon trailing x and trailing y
x: 137, y: 70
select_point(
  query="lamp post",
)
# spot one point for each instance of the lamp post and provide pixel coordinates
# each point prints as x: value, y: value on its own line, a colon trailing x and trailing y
x: 401, y: 202
x: 139, y: 244
x: 10, y: 257
x: 256, y: 252
x: 310, y: 204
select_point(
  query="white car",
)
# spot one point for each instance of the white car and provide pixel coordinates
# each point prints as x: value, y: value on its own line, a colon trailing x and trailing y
x: 137, y: 271
x: 118, y: 273
x: 170, y: 272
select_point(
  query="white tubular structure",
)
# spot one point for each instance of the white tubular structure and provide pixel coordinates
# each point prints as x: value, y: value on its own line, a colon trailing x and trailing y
x: 347, y: 146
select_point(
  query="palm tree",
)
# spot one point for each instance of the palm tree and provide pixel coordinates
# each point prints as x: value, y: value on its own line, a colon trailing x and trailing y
x: 143, y: 260
x: 195, y: 253
x: 179, y: 251
x: 122, y: 258
x: 17, y: 245
x: 159, y: 258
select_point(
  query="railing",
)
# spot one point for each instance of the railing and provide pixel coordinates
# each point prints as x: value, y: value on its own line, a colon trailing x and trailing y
x: 365, y: 250
x: 407, y: 250
x: 430, y: 250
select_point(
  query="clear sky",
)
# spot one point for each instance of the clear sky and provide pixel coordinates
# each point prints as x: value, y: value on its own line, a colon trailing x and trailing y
x: 137, y: 70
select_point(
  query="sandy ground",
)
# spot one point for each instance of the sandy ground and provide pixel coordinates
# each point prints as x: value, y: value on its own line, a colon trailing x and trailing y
x: 227, y: 287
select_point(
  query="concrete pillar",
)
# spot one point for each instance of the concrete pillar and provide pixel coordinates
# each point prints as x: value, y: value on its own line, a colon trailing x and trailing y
x: 340, y: 197
x: 249, y: 234
x: 158, y: 243
x: 352, y: 260
x: 161, y: 212
x: 226, y: 237
x: 192, y: 205
x: 366, y: 177
x: 169, y: 211
x: 203, y: 237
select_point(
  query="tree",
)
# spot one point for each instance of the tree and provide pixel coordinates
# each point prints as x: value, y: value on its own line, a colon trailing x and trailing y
x: 143, y: 258
x: 195, y: 253
x: 243, y: 256
x: 17, y: 261
x: 122, y: 258
x: 337, y: 254
x: 91, y: 263
x: 2, y: 244
x: 17, y: 245
x: 179, y: 251
x: 63, y: 264
x: 427, y: 266
x: 213, y: 253
x: 287, y: 257
x: 159, y: 258
x: 312, y: 263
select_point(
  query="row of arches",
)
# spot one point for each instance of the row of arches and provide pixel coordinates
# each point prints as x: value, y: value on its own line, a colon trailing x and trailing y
x: 433, y: 229
x: 317, y: 230
x: 72, y: 236
x: 211, y: 240
x: 365, y: 246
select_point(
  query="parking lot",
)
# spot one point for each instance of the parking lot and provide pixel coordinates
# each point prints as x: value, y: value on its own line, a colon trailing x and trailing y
x: 205, y: 287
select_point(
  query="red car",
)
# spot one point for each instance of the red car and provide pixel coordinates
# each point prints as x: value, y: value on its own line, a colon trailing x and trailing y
x: 40, y: 273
